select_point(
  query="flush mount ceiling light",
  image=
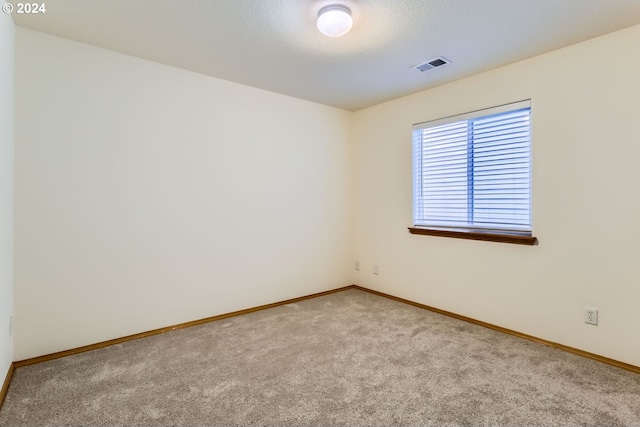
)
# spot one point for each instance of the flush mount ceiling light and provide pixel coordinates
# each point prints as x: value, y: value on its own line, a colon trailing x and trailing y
x: 334, y: 20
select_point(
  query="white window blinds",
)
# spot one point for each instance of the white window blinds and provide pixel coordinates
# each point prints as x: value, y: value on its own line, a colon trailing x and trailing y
x: 473, y: 171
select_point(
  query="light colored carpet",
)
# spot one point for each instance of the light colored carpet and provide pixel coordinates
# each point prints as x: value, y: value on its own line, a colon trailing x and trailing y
x: 349, y: 358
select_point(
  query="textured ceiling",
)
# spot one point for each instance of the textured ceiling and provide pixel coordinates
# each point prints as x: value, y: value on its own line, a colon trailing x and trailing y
x: 274, y: 45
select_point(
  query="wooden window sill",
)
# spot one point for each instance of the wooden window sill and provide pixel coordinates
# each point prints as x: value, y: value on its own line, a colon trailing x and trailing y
x: 476, y: 235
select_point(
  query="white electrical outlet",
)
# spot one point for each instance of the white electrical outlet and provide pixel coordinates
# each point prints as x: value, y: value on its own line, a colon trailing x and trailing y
x: 591, y: 315
x: 357, y: 265
x: 376, y: 271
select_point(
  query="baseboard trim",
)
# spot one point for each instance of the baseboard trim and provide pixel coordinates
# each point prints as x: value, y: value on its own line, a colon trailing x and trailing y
x: 85, y: 348
x: 606, y: 360
x: 53, y: 356
x: 7, y: 382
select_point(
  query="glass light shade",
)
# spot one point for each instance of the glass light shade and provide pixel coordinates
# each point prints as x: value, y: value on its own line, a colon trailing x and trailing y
x: 334, y: 20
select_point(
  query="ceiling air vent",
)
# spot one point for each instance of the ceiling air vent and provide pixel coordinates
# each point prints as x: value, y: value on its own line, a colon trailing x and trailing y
x: 431, y: 64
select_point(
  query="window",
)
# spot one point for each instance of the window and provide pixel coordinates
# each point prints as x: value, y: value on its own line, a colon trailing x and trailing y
x: 472, y: 175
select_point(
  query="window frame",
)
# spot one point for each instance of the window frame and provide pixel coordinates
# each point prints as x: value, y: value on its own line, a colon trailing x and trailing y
x: 473, y: 231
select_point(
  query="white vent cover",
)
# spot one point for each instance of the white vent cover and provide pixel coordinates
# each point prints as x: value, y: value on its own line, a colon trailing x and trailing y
x: 432, y: 63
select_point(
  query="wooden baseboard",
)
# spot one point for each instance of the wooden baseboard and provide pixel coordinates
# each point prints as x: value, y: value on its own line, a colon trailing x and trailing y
x: 5, y: 385
x: 108, y: 343
x: 103, y: 344
x: 563, y: 347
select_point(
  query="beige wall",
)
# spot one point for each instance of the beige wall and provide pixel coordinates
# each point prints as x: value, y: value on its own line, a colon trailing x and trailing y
x: 586, y: 204
x: 148, y: 196
x: 7, y: 62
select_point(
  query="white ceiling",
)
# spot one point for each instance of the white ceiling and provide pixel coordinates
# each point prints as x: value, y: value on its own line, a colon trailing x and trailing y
x: 274, y: 44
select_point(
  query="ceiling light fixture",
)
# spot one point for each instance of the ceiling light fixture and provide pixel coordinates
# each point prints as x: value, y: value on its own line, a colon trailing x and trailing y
x: 334, y: 20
